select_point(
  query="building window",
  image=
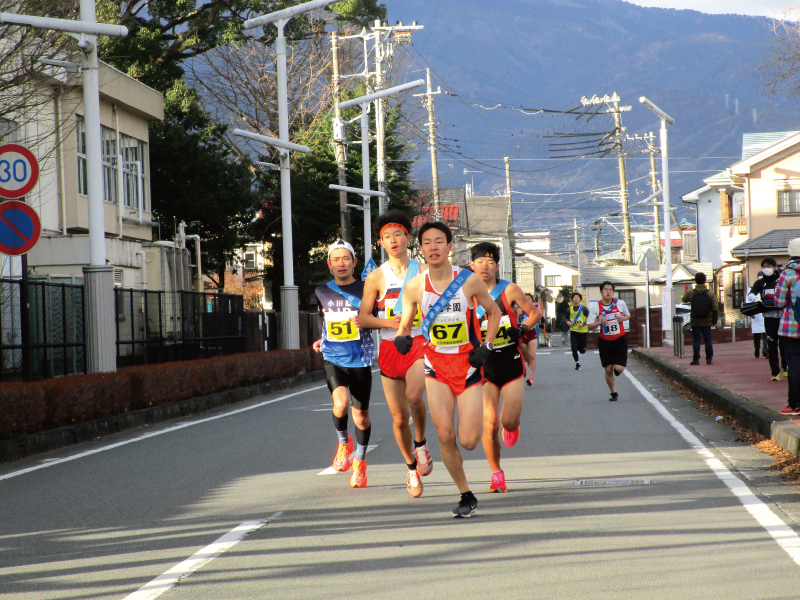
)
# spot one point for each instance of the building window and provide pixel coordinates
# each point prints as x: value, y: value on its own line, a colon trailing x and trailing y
x: 9, y: 131
x: 109, y: 139
x: 135, y: 171
x: 788, y: 202
x: 80, y: 132
x: 738, y: 289
x: 552, y: 281
x: 250, y: 260
x: 628, y: 297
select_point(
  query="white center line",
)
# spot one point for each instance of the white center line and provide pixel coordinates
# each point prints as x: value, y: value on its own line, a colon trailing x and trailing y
x: 159, y: 585
x: 53, y: 462
x: 782, y: 533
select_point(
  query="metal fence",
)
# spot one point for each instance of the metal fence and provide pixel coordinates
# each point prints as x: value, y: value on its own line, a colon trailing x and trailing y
x: 56, y: 340
x: 154, y: 326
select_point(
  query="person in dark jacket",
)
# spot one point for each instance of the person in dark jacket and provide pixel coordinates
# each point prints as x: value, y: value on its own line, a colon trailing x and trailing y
x: 764, y: 289
x: 704, y: 313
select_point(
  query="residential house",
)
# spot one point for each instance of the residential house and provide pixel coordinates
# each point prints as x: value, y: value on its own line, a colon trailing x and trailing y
x: 537, y: 272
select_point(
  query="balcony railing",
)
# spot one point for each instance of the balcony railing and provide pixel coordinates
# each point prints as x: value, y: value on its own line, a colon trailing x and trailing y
x: 738, y: 223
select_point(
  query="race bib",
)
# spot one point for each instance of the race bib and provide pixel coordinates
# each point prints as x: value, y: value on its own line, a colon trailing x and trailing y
x: 611, y: 327
x: 390, y: 304
x: 449, y: 330
x: 502, y: 338
x: 339, y: 327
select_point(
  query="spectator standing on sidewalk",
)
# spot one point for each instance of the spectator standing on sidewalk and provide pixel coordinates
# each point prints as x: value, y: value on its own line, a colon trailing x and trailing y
x: 765, y: 288
x: 757, y: 329
x: 704, y: 313
x: 789, y: 331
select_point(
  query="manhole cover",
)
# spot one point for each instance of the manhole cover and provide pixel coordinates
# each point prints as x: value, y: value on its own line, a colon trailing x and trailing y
x: 596, y: 482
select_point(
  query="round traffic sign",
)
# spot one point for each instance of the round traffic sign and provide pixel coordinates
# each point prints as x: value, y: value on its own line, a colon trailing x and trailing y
x: 20, y: 228
x: 19, y: 171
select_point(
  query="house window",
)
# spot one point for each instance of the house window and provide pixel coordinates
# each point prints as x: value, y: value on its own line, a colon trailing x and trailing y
x: 552, y: 281
x: 628, y: 297
x: 738, y: 289
x: 788, y: 202
x: 250, y: 260
x: 9, y: 131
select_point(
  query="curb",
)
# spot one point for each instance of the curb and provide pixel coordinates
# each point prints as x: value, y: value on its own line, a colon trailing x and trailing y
x: 752, y: 416
x: 44, y: 441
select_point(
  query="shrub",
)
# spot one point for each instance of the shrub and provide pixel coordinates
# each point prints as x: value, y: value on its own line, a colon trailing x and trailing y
x: 22, y: 408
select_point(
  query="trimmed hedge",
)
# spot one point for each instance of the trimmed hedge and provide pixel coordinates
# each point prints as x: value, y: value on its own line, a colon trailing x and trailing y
x: 38, y: 405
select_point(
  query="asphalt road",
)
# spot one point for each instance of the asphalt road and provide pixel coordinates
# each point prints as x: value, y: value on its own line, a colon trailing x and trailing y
x: 234, y: 503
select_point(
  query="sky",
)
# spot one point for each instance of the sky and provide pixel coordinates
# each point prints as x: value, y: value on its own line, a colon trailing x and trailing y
x: 769, y: 8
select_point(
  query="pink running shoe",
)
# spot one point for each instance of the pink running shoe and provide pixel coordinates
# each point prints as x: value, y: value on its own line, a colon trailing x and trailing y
x: 498, y: 482
x: 510, y: 437
x: 424, y: 461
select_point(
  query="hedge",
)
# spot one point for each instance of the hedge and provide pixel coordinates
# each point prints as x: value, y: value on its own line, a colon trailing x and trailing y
x: 39, y: 405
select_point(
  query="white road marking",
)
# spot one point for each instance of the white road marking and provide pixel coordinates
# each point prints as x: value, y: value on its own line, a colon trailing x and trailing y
x: 782, y: 533
x: 59, y: 461
x: 331, y: 471
x: 162, y: 583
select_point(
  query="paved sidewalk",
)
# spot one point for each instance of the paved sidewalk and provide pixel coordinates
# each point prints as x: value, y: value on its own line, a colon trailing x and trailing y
x: 735, y: 369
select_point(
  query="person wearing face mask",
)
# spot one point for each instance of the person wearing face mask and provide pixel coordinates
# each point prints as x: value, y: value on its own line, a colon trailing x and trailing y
x: 765, y: 289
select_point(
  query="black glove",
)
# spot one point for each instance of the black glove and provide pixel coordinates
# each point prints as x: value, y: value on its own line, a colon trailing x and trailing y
x: 515, y: 333
x: 403, y: 344
x: 478, y: 356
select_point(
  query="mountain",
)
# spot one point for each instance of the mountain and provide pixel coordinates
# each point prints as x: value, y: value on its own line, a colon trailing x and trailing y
x: 547, y: 54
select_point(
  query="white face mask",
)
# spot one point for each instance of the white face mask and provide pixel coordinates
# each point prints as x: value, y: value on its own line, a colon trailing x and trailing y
x: 767, y: 272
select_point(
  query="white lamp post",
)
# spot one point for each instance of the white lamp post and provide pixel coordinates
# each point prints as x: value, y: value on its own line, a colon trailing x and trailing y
x: 364, y: 102
x: 290, y: 322
x: 667, y: 306
x: 98, y: 277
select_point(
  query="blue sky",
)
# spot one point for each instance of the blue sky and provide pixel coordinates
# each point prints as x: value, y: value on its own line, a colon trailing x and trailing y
x: 770, y: 8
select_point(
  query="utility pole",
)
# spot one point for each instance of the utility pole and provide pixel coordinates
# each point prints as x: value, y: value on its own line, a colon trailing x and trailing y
x: 428, y: 95
x: 599, y: 224
x: 339, y: 147
x: 380, y: 128
x: 623, y: 180
x: 650, y: 137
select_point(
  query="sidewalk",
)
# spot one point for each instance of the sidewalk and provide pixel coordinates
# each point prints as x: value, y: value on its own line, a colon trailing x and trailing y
x: 737, y: 383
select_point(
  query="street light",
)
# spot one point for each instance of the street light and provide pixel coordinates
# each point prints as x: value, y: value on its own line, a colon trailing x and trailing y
x: 667, y: 307
x: 98, y: 277
x: 290, y: 321
x: 338, y: 128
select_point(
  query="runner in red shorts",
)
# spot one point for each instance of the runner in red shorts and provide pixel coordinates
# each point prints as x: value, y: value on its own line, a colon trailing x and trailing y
x: 403, y: 376
x: 454, y: 356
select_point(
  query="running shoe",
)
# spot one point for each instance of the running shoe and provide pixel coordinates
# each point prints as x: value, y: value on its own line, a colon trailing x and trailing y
x: 467, y: 506
x: 341, y: 462
x: 424, y: 460
x: 785, y: 373
x: 414, y: 483
x: 510, y: 437
x: 529, y: 381
x: 790, y: 411
x: 498, y: 482
x: 776, y: 378
x: 577, y: 366
x: 359, y: 477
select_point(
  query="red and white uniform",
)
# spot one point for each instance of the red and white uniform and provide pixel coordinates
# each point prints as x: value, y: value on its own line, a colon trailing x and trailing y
x: 454, y: 332
x: 613, y: 329
x: 393, y: 364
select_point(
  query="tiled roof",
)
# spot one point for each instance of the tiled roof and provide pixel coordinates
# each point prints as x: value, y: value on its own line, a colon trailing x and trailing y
x: 776, y: 241
x: 753, y: 143
x: 449, y: 215
x: 632, y: 276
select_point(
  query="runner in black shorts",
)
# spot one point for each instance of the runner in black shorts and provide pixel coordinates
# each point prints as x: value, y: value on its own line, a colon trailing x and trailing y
x: 356, y: 379
x: 504, y: 371
x: 610, y: 315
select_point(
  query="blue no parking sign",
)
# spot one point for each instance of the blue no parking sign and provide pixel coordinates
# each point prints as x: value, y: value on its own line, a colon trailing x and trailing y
x: 20, y: 228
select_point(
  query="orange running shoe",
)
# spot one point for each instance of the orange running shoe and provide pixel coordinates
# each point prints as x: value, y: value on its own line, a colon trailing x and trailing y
x: 341, y: 462
x: 498, y: 482
x: 424, y: 461
x: 414, y: 483
x: 510, y: 437
x: 359, y: 476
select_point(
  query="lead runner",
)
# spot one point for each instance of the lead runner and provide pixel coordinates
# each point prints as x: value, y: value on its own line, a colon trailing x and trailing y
x: 403, y: 377
x: 454, y: 355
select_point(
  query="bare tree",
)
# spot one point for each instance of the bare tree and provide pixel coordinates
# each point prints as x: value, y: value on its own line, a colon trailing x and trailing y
x: 780, y: 71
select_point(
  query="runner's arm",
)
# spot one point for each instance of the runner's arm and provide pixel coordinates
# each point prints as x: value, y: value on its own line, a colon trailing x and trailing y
x: 515, y: 295
x: 372, y: 288
x: 412, y: 297
x: 598, y: 319
x: 474, y: 287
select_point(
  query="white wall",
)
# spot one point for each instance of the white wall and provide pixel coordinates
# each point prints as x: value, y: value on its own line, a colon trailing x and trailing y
x: 709, y: 222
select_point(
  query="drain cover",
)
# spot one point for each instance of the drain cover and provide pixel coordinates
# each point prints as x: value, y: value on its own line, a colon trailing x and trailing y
x: 596, y: 482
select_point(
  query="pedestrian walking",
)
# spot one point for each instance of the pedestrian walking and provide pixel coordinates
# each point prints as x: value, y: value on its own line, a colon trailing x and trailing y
x: 703, y: 314
x: 765, y: 289
x: 757, y: 329
x: 786, y: 298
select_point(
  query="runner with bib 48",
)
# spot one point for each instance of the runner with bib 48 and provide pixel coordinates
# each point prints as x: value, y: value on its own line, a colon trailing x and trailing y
x: 454, y: 356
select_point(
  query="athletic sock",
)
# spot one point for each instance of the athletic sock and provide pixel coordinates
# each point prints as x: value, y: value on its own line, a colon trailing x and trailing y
x: 412, y: 466
x: 419, y: 444
x: 340, y: 423
x: 467, y: 495
x: 362, y: 442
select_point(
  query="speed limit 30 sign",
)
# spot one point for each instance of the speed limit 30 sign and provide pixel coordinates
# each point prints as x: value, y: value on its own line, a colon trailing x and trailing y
x: 19, y: 171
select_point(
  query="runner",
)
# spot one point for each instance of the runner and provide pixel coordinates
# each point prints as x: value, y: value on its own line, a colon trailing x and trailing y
x: 454, y: 355
x: 579, y: 331
x: 347, y: 352
x: 529, y: 342
x: 403, y: 377
x: 610, y: 315
x: 504, y: 370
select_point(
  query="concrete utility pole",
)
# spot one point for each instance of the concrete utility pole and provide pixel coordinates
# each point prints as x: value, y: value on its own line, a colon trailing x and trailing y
x: 428, y: 95
x: 380, y: 127
x: 339, y: 148
x: 650, y: 137
x: 623, y: 182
